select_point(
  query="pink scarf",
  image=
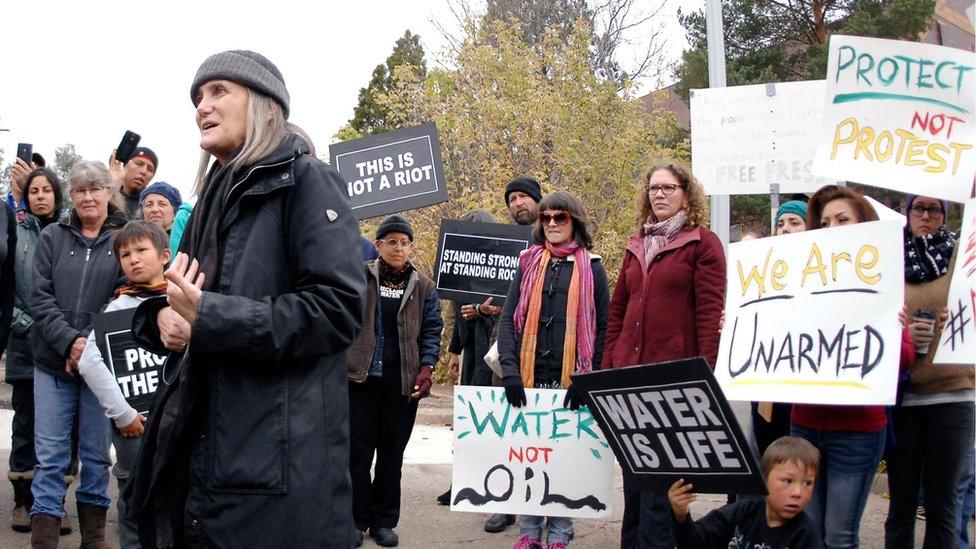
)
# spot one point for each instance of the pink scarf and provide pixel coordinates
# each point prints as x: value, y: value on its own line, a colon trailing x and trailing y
x: 659, y: 234
x: 586, y: 311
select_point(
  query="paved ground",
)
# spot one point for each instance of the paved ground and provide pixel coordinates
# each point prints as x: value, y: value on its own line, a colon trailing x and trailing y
x: 427, y: 473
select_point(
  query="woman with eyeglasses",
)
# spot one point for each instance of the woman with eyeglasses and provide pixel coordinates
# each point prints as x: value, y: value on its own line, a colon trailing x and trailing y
x: 666, y: 306
x: 933, y: 425
x: 391, y: 366
x: 553, y: 325
x: 75, y: 275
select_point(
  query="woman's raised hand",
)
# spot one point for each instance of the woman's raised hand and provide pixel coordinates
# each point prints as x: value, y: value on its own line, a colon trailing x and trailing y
x: 184, y: 289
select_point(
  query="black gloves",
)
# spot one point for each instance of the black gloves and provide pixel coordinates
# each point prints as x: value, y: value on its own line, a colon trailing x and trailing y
x: 514, y: 391
x: 574, y: 398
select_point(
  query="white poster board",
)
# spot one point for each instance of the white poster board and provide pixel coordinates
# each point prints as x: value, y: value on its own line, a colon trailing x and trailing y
x: 812, y: 317
x: 744, y: 138
x: 540, y: 459
x: 957, y: 344
x: 899, y: 115
x: 885, y: 213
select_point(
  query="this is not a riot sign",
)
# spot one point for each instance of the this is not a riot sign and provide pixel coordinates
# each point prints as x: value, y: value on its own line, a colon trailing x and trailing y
x: 392, y: 171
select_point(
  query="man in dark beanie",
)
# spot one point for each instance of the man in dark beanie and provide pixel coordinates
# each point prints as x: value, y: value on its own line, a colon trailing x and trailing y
x: 522, y: 196
x: 394, y: 224
x: 134, y: 176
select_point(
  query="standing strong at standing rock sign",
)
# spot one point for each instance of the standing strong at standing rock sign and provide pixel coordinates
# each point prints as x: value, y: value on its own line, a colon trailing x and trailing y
x: 250, y: 445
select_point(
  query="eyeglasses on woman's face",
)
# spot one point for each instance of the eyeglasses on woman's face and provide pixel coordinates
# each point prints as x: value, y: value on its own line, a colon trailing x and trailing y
x: 96, y: 191
x: 919, y: 210
x: 667, y: 189
x: 559, y: 217
x: 404, y: 244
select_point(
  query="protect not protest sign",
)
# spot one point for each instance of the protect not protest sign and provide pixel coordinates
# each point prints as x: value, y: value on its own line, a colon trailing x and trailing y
x: 745, y: 138
x: 540, y: 459
x: 136, y: 370
x: 478, y: 260
x: 391, y: 172
x: 957, y: 344
x: 813, y: 317
x: 668, y: 421
x: 899, y: 115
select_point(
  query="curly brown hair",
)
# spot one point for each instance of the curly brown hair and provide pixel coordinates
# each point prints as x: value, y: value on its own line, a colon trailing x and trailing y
x: 828, y: 193
x: 696, y: 206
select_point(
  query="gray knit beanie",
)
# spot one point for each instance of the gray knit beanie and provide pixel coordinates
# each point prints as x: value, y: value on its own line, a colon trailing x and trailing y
x: 246, y: 68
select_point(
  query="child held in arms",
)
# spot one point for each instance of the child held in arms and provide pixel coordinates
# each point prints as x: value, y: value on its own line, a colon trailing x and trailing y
x: 789, y: 468
x: 142, y: 249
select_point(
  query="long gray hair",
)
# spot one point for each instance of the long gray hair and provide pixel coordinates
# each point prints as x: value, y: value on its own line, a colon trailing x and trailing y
x: 260, y: 139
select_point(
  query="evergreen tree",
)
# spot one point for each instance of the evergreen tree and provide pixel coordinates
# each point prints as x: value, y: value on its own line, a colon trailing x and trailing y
x: 371, y: 114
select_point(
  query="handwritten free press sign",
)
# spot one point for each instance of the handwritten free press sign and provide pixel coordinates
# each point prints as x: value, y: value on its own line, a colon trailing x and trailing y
x: 540, y: 459
x: 899, y: 115
x: 812, y: 317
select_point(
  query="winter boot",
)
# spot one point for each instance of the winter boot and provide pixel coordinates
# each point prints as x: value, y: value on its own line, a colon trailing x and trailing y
x: 23, y: 500
x: 44, y: 532
x: 91, y: 522
x: 65, y: 519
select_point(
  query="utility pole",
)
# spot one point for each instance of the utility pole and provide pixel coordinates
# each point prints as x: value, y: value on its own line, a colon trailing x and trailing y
x: 716, y: 79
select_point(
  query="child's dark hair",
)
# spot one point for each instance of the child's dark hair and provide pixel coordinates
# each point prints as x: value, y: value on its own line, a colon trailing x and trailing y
x: 794, y: 449
x: 137, y: 230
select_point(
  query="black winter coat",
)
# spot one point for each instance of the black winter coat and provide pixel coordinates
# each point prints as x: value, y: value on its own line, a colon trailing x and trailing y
x: 251, y: 439
x: 552, y: 319
x: 473, y: 337
x: 72, y: 283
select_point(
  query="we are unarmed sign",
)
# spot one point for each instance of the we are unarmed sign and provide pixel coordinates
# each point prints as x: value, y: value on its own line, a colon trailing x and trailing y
x: 899, y: 115
x: 136, y: 370
x: 812, y: 317
x: 540, y: 459
x: 668, y: 421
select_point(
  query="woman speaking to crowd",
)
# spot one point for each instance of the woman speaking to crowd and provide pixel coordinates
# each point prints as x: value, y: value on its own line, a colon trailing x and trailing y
x: 249, y: 445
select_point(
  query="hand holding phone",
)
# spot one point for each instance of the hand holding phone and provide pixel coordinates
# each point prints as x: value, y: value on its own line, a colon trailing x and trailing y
x: 127, y: 147
x: 25, y: 152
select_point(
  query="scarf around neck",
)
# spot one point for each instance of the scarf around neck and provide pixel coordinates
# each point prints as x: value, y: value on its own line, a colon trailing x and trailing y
x: 927, y: 257
x: 659, y: 234
x: 580, y: 310
x: 141, y: 290
x: 392, y: 277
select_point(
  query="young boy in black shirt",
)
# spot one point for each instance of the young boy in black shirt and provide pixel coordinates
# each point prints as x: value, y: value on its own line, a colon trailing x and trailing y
x: 789, y: 468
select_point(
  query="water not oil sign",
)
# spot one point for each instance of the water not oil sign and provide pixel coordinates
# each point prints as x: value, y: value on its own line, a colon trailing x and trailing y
x: 391, y: 172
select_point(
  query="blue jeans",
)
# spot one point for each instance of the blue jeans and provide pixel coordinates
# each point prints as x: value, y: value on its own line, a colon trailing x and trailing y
x: 848, y: 463
x: 60, y: 400
x: 559, y: 528
x: 967, y: 483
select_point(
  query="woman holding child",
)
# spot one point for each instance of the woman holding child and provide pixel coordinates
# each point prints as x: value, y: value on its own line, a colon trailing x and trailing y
x: 75, y: 273
x: 251, y: 421
x: 666, y: 305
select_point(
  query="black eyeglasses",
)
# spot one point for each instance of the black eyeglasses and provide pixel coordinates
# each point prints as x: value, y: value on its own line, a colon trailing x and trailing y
x: 668, y: 190
x: 919, y: 210
x: 561, y: 218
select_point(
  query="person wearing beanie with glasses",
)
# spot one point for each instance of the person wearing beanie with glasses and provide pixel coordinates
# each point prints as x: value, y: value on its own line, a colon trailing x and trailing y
x: 251, y: 445
x: 390, y: 369
x: 133, y: 176
x: 159, y: 203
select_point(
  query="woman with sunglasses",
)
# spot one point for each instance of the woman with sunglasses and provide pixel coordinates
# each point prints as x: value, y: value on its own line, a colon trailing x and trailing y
x: 391, y: 365
x: 552, y: 324
x: 666, y: 306
x: 933, y: 424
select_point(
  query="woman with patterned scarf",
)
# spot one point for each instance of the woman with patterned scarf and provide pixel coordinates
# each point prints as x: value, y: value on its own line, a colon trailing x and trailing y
x: 666, y: 306
x: 934, y: 422
x: 552, y: 324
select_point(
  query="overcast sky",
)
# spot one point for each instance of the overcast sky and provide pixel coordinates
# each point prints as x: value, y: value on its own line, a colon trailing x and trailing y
x: 84, y: 72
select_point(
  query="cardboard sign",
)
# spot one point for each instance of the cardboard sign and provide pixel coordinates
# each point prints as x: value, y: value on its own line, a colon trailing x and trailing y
x: 540, y: 459
x: 899, y: 115
x: 813, y: 317
x: 391, y: 172
x: 478, y: 260
x: 744, y: 138
x: 136, y: 369
x: 668, y: 421
x: 958, y: 342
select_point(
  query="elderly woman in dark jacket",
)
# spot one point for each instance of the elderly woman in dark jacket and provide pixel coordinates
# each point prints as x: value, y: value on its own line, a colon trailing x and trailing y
x: 390, y: 368
x: 553, y: 323
x: 75, y: 275
x: 248, y: 439
x: 666, y: 305
x: 42, y: 190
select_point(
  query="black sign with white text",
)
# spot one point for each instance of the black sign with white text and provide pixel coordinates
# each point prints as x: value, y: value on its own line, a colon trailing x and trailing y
x: 136, y: 370
x: 478, y: 260
x: 391, y: 172
x: 668, y: 421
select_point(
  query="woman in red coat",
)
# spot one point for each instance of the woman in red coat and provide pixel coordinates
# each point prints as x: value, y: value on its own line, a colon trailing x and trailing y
x: 666, y: 306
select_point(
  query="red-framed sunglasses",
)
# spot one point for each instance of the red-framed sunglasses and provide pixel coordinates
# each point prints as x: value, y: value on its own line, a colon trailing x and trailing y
x: 561, y: 218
